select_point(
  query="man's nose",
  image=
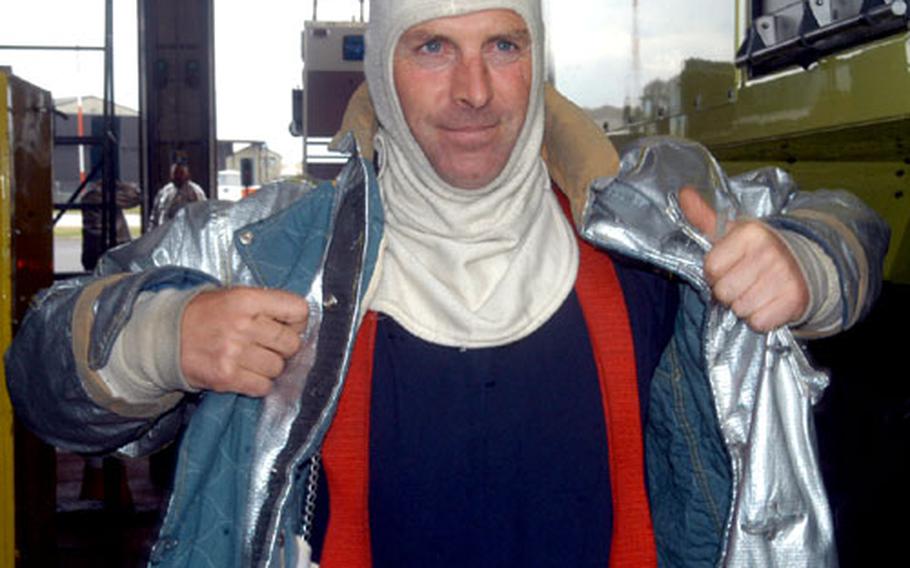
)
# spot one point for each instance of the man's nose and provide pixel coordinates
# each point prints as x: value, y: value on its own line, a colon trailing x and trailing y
x: 471, y: 82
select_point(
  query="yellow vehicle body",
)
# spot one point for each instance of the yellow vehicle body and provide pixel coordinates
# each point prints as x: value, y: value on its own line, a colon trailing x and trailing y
x: 7, y: 495
x: 26, y: 266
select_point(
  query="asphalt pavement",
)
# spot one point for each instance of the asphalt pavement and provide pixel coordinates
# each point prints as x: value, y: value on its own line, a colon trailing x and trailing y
x: 68, y: 249
x: 67, y: 253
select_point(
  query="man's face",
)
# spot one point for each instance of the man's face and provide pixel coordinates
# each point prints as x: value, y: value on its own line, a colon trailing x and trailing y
x: 464, y: 84
x: 180, y: 175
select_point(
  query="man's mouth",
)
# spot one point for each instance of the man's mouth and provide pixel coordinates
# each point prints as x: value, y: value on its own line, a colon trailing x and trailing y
x: 470, y: 134
x: 470, y: 127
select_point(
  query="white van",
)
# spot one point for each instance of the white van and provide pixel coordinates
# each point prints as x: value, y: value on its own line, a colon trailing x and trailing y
x: 229, y: 186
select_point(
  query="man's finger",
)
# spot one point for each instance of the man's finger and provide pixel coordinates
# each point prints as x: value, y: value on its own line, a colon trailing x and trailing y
x: 748, y: 241
x: 726, y: 255
x: 753, y: 300
x: 249, y: 383
x: 731, y: 284
x: 279, y: 304
x: 263, y: 362
x: 777, y: 313
x: 281, y: 338
x: 698, y: 212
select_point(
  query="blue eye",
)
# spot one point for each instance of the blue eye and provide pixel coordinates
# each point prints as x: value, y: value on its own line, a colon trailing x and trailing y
x: 505, y: 45
x: 432, y: 46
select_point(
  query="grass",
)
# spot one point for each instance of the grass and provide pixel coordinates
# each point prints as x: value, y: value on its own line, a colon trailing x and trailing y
x: 67, y: 232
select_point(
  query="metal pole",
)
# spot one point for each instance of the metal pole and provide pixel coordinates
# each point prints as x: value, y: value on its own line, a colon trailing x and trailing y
x: 315, y: 10
x: 108, y: 181
x: 72, y: 199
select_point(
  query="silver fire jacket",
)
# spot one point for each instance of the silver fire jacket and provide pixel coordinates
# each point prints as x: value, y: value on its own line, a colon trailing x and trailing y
x: 763, y: 386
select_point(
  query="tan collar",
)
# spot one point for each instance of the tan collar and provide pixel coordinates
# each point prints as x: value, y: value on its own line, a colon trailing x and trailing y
x: 576, y: 151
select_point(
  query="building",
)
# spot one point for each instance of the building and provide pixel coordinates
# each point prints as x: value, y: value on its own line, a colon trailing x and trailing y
x: 266, y: 163
x: 66, y: 157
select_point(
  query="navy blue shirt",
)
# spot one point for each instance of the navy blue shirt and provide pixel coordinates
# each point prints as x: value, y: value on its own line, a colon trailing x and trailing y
x: 498, y: 456
x: 489, y: 457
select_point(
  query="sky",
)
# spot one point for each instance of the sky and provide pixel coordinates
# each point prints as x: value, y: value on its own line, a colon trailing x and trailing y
x: 257, y: 52
x: 591, y: 43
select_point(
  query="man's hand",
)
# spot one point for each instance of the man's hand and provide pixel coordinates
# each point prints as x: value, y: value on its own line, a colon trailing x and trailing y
x: 749, y: 268
x: 238, y: 339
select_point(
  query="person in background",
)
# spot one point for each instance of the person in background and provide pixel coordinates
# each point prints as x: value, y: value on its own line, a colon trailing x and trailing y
x: 127, y: 197
x: 180, y: 191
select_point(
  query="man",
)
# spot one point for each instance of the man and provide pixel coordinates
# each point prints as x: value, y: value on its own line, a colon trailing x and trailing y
x: 126, y: 196
x: 472, y: 428
x: 180, y: 191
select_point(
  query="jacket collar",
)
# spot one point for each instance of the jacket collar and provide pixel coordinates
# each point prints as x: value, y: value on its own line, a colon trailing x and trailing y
x: 301, y: 232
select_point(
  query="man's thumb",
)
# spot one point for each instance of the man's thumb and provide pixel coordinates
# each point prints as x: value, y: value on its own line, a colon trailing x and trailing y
x: 698, y: 211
